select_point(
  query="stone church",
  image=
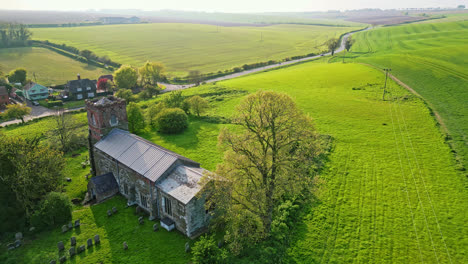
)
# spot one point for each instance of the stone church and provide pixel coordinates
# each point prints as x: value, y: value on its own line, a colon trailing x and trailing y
x: 163, y: 183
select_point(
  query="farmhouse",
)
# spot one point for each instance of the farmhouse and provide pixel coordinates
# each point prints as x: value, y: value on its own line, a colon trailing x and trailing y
x: 4, y: 99
x: 81, y: 88
x: 33, y: 91
x: 161, y: 182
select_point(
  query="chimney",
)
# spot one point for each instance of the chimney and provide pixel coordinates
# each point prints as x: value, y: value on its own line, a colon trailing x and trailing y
x: 78, y: 76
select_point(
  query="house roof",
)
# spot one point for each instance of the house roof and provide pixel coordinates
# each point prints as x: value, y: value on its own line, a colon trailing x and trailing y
x: 140, y: 155
x: 82, y: 83
x: 108, y: 77
x: 183, y: 183
x: 3, y: 90
x: 30, y: 85
x: 104, y: 183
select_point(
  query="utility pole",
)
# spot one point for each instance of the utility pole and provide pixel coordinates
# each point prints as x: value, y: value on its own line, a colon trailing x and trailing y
x: 35, y: 79
x: 385, y: 85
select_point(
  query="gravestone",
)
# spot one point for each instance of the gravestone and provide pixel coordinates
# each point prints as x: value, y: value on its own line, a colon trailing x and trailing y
x: 89, y: 242
x: 72, y: 241
x: 81, y: 248
x: 60, y: 246
x: 114, y: 210
x: 125, y: 246
x: 53, y: 261
x: 19, y: 236
x: 68, y: 180
x: 140, y: 220
x: 72, y: 251
x: 17, y: 243
x: 187, y: 247
x: 109, y: 213
x: 11, y: 246
x: 77, y: 223
x: 97, y: 240
x: 155, y: 227
x: 63, y: 259
x: 32, y: 229
x: 70, y: 225
x: 220, y: 243
x: 64, y: 228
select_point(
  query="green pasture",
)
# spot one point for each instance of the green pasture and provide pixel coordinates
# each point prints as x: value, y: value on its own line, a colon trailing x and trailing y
x: 49, y: 67
x: 433, y: 60
x: 185, y: 47
x: 389, y: 193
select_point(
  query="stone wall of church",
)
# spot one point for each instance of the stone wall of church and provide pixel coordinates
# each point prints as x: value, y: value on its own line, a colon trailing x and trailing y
x: 136, y: 188
x: 178, y: 211
x: 197, y: 217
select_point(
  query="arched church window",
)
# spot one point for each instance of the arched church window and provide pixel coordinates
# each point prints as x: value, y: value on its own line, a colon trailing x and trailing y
x: 113, y: 120
x: 93, y: 120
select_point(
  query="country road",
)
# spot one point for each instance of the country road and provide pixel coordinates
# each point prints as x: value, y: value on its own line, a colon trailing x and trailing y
x: 40, y: 111
x: 173, y: 87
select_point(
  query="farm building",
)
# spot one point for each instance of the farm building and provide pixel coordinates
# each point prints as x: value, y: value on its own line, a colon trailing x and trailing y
x: 33, y: 91
x: 163, y: 183
x: 4, y: 99
x: 81, y: 88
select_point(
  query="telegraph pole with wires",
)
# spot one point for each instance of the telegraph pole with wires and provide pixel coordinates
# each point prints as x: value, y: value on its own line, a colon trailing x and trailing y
x: 385, y: 85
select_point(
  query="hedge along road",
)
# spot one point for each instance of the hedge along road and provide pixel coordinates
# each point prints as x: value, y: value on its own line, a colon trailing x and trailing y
x: 173, y: 87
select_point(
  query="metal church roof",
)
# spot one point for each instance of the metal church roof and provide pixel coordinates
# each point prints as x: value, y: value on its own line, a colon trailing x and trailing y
x: 140, y: 155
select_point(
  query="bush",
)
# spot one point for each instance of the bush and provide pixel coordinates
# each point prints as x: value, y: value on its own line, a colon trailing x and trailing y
x: 54, y: 210
x: 54, y: 103
x: 206, y: 251
x: 172, y: 121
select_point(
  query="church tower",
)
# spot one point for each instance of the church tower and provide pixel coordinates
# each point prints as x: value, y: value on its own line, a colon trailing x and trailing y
x: 104, y: 115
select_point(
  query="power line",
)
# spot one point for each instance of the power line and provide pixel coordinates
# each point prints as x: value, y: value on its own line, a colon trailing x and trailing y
x: 385, y: 85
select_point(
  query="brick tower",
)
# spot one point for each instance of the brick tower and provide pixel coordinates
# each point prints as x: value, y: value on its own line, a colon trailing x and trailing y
x: 105, y: 114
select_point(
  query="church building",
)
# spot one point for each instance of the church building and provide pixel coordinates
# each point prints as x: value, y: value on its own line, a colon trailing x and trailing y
x: 163, y: 183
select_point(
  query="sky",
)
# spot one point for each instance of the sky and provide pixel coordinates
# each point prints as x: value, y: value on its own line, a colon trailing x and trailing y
x: 225, y: 5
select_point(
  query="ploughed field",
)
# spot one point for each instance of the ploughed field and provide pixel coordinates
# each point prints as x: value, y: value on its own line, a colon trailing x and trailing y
x: 186, y: 47
x: 390, y: 192
x: 433, y: 60
x: 49, y: 67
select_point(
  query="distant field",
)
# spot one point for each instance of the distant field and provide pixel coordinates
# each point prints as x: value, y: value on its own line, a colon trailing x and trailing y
x: 185, y: 47
x: 49, y: 67
x: 433, y: 60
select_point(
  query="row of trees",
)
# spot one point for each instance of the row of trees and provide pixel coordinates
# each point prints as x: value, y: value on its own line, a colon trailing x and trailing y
x: 14, y: 35
x: 127, y: 77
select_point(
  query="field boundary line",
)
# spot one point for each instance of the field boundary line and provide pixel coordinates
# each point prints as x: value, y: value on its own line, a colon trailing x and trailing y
x: 414, y: 181
x: 424, y: 182
x: 406, y: 184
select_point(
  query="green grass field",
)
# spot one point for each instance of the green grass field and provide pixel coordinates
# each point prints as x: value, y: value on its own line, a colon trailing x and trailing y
x: 49, y: 67
x: 390, y: 192
x: 433, y: 60
x: 185, y: 47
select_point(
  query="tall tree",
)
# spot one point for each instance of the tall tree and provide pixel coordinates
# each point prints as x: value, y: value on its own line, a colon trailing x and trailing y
x: 349, y: 43
x: 151, y: 73
x: 29, y: 170
x: 195, y: 77
x: 125, y: 94
x: 65, y: 129
x: 269, y: 157
x: 333, y: 44
x: 136, y: 121
x: 126, y: 77
x: 17, y: 111
x: 18, y: 75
